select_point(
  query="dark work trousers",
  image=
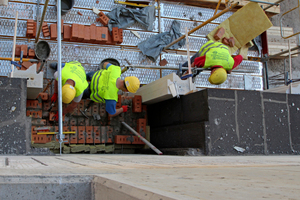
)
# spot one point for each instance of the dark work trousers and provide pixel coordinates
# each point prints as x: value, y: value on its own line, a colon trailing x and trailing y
x: 87, y: 92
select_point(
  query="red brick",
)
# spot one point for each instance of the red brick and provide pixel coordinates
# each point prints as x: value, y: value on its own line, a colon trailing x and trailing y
x: 45, y: 29
x: 231, y: 42
x: 110, y: 137
x: 24, y: 48
x: 44, y: 96
x: 120, y: 36
x: 33, y: 131
x: 163, y: 62
x: 46, y: 34
x: 80, y: 33
x: 34, y: 114
x: 73, y: 137
x: 141, y: 126
x: 122, y: 139
x: 27, y: 64
x: 18, y: 51
x: 39, y: 139
x: 89, y: 135
x: 97, y: 133
x: 93, y: 33
x: 87, y: 34
x: 103, y: 18
x: 225, y: 41
x: 73, y: 121
x: 74, y: 32
x: 46, y: 106
x: 137, y: 140
x: 102, y: 110
x: 62, y: 26
x: 95, y: 109
x: 51, y: 115
x: 39, y: 122
x: 83, y: 121
x: 67, y: 32
x: 35, y: 104
x: 115, y: 34
x: 80, y: 106
x: 79, y: 13
x: 31, y: 53
x: 137, y: 103
x: 81, y: 133
x: 219, y: 34
x: 144, y: 110
x: 53, y: 31
x: 109, y: 39
x: 67, y: 136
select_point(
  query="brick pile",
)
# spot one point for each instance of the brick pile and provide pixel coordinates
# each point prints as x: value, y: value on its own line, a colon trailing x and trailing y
x: 81, y: 33
x: 27, y: 53
x: 219, y: 36
x: 97, y: 128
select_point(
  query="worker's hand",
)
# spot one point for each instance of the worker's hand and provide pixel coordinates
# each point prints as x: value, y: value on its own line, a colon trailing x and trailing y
x: 125, y: 108
x: 55, y: 117
x: 54, y: 98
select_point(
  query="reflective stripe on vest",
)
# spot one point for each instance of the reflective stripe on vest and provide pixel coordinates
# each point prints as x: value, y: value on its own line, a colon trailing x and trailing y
x: 216, y: 53
x: 74, y: 71
x: 103, y: 84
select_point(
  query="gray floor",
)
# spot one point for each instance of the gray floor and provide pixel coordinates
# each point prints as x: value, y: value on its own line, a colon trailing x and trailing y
x: 239, y: 177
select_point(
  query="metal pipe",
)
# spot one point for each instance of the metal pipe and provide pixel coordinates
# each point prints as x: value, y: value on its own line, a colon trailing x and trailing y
x: 277, y: 2
x: 159, y: 16
x: 266, y: 75
x: 60, y: 125
x: 157, y: 67
x: 290, y: 62
x: 188, y: 57
x: 18, y: 59
x: 217, y: 7
x: 143, y: 139
x: 14, y: 42
x: 203, y: 24
x: 42, y: 20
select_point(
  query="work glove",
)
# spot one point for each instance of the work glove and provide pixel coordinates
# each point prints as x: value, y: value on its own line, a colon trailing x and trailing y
x: 54, y: 98
x: 199, y: 61
x: 55, y: 117
x: 125, y: 108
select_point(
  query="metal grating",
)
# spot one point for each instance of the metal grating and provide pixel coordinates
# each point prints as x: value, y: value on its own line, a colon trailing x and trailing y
x: 26, y: 11
x: 145, y: 76
x: 192, y: 13
x: 205, y: 30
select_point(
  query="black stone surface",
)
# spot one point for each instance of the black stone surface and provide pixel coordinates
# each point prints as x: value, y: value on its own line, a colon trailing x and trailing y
x: 222, y: 135
x: 250, y: 122
x: 277, y: 130
x: 221, y: 93
x: 15, y: 127
x: 179, y: 136
x: 274, y: 96
x: 294, y: 108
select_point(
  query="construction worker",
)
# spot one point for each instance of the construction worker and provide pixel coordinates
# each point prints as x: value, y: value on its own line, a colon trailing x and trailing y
x: 106, y: 83
x: 216, y: 57
x: 74, y: 83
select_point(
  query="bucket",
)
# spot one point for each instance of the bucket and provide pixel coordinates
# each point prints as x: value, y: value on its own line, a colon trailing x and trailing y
x: 110, y: 60
x: 42, y: 52
x: 66, y: 6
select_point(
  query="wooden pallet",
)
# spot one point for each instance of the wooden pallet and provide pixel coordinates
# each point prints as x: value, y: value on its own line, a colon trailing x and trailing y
x: 277, y: 44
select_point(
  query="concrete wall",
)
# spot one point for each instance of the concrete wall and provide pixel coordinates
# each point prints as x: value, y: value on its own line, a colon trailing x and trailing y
x: 223, y: 120
x: 15, y: 127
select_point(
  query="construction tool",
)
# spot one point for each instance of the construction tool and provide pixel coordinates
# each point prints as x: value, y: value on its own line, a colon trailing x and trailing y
x: 19, y: 59
x: 143, y: 139
x: 88, y: 106
x: 51, y: 106
x: 50, y: 82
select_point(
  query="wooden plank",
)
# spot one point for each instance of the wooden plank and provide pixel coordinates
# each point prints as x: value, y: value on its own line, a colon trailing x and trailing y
x: 213, y: 4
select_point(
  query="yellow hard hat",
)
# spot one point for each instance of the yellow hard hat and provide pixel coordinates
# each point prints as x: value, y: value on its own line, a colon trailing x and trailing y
x: 218, y: 76
x: 68, y: 93
x: 132, y: 84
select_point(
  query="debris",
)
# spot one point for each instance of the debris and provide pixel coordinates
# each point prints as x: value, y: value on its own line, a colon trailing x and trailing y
x: 13, y: 109
x: 89, y: 17
x: 96, y: 11
x: 97, y: 2
x: 220, y: 32
x: 200, y: 14
x: 231, y: 42
x: 136, y: 34
x: 195, y: 24
x: 239, y: 149
x: 225, y: 41
x: 163, y: 62
x: 79, y: 13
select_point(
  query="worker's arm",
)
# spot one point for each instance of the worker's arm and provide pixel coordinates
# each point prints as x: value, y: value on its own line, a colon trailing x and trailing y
x: 73, y: 105
x: 111, y: 108
x: 237, y: 60
x: 118, y: 111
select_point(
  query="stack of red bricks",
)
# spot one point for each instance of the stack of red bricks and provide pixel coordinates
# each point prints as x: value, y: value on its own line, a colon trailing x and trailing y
x: 27, y: 53
x: 82, y: 33
x: 88, y: 130
x: 227, y: 41
x: 31, y: 28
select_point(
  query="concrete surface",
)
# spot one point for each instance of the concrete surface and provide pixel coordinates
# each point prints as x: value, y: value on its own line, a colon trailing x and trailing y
x: 243, y: 177
x: 15, y: 127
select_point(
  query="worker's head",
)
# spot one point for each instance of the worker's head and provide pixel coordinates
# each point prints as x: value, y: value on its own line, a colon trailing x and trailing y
x: 68, y: 93
x: 218, y: 76
x: 132, y: 84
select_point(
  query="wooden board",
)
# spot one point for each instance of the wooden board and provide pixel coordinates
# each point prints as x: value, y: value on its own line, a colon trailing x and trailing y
x: 277, y: 44
x: 213, y: 4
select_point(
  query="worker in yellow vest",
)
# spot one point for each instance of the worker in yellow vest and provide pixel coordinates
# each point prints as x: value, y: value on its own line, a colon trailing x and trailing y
x: 74, y: 83
x: 215, y: 56
x: 104, y: 87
